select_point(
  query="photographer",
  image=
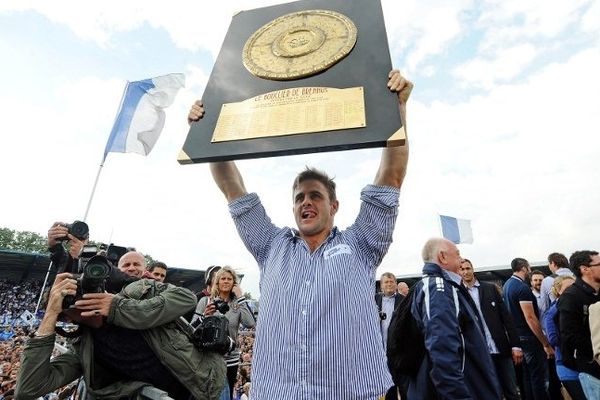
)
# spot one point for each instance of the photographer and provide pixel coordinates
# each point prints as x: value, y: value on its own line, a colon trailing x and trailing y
x: 226, y: 298
x: 128, y: 341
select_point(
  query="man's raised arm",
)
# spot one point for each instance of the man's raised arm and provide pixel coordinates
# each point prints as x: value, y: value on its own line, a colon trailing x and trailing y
x: 225, y: 173
x: 228, y: 179
x: 394, y: 160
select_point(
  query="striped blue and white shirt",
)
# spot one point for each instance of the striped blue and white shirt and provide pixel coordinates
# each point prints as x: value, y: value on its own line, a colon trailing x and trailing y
x: 318, y: 333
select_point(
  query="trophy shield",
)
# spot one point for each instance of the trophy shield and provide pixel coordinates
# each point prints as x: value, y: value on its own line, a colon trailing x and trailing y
x: 296, y: 78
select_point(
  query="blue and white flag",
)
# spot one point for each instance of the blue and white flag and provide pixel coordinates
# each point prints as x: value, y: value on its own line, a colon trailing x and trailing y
x: 141, y: 116
x: 456, y: 230
x: 27, y: 317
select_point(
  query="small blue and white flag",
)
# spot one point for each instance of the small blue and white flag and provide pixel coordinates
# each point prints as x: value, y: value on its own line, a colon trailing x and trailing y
x: 27, y: 317
x: 456, y: 230
x: 141, y: 116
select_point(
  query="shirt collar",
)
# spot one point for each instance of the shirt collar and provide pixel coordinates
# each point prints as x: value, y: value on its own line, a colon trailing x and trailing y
x: 476, y: 284
x: 295, y: 233
x: 454, y: 276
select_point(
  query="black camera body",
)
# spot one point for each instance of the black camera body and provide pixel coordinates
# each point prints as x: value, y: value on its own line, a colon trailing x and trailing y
x: 221, y: 306
x: 110, y: 251
x: 79, y: 229
x: 92, y: 279
x: 212, y: 334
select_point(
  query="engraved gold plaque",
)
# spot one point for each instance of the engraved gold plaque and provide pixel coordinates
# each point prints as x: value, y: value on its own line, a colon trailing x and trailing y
x: 299, y: 44
x: 291, y: 111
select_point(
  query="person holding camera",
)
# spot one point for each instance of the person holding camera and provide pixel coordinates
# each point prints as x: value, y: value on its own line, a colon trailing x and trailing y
x: 226, y: 298
x: 128, y: 341
x: 75, y: 235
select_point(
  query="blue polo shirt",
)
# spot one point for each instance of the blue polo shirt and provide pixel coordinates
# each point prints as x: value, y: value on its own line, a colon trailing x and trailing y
x: 514, y: 292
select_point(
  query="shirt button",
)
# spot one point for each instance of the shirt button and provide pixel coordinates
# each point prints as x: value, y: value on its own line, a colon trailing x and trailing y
x: 307, y: 283
x: 304, y: 312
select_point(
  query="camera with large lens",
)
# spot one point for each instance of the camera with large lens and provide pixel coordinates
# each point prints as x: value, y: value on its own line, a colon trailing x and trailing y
x: 212, y: 334
x: 92, y: 279
x: 78, y: 229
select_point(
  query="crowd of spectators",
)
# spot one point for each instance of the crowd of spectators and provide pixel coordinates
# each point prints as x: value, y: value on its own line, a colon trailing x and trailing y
x: 10, y: 353
x: 246, y: 341
x: 16, y: 298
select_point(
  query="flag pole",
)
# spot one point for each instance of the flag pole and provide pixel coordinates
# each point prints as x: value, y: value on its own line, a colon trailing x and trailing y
x: 37, y: 307
x: 87, y: 210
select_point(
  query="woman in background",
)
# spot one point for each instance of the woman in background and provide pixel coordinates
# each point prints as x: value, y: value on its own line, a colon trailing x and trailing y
x: 226, y: 289
x: 568, y: 377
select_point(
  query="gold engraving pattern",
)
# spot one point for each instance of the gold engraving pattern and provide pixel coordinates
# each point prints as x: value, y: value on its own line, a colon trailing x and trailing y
x: 299, y: 44
x: 291, y: 111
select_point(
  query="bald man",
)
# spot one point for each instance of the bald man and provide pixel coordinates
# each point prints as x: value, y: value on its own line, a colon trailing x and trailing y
x: 457, y: 365
x: 133, y: 264
x: 403, y: 289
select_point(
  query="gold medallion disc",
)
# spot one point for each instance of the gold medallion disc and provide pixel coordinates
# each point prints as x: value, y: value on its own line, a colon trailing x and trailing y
x: 299, y: 44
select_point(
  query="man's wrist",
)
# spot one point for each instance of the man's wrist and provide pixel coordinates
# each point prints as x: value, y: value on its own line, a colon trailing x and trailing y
x: 47, y: 325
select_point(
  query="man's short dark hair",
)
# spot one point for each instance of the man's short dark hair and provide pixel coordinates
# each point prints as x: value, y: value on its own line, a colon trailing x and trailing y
x: 157, y: 264
x: 317, y: 175
x: 579, y: 259
x: 559, y: 259
x: 537, y: 272
x: 518, y: 264
x: 466, y: 260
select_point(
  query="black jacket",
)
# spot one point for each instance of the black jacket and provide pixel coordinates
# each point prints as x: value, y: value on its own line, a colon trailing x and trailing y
x: 397, y: 299
x: 575, y: 336
x: 497, y: 318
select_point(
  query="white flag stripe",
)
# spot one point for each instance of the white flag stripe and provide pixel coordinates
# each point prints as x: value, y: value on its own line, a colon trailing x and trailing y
x: 465, y: 231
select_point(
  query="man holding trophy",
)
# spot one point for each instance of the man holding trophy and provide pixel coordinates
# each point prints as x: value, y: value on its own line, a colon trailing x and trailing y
x: 320, y: 343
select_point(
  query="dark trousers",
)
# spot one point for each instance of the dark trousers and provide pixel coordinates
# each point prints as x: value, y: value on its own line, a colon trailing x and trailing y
x: 574, y: 389
x: 505, y: 371
x: 553, y: 381
x: 535, y: 369
x: 232, y: 378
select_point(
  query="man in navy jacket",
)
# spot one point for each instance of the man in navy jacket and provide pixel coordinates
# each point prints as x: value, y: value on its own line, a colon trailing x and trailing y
x: 457, y: 364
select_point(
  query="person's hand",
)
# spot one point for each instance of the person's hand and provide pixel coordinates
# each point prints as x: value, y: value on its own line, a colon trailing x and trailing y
x: 210, y: 309
x: 147, y: 275
x: 196, y: 112
x: 64, y: 285
x: 549, y: 351
x: 517, y: 356
x: 75, y: 246
x: 237, y: 290
x: 399, y: 84
x: 95, y: 304
x: 57, y: 231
